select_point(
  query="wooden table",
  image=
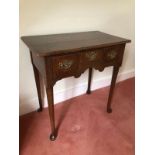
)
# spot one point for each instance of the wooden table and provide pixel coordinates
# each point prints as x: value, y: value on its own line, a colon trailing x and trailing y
x: 63, y: 55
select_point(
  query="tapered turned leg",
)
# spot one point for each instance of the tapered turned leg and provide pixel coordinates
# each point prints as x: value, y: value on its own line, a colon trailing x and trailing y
x: 51, y: 112
x: 89, y: 80
x: 37, y: 79
x: 113, y: 81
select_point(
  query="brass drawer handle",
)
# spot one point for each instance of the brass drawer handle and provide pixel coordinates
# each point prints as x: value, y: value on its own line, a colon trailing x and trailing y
x: 65, y: 64
x: 91, y: 55
x: 112, y: 54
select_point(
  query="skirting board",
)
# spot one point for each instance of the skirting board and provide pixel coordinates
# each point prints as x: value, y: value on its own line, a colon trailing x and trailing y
x: 68, y: 93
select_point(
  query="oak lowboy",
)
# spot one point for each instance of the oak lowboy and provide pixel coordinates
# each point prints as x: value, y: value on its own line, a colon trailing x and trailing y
x: 63, y: 55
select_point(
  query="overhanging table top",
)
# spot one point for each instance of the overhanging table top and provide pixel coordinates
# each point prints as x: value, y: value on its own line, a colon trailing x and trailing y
x: 46, y: 45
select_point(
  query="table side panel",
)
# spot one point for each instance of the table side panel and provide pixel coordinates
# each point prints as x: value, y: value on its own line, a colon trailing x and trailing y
x: 39, y: 62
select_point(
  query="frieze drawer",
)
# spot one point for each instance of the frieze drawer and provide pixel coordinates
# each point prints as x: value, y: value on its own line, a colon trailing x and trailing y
x: 65, y: 65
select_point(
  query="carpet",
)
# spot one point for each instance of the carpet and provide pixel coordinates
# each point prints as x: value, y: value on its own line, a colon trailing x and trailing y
x: 84, y: 126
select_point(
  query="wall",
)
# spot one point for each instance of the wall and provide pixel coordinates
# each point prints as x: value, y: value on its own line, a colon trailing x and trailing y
x: 60, y: 16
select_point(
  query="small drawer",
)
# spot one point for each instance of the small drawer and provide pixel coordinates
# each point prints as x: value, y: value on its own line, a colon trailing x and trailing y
x: 113, y: 54
x: 91, y: 56
x: 65, y: 65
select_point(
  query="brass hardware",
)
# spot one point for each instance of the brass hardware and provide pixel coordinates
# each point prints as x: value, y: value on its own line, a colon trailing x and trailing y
x: 91, y: 55
x: 112, y: 54
x: 65, y: 64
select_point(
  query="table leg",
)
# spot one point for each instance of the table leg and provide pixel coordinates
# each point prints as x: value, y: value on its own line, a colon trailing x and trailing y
x: 113, y: 81
x: 51, y: 112
x: 37, y: 80
x: 89, y: 80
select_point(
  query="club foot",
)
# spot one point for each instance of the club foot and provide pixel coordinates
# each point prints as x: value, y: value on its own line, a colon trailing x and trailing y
x: 53, y: 137
x: 88, y: 92
x: 109, y: 110
x: 40, y: 109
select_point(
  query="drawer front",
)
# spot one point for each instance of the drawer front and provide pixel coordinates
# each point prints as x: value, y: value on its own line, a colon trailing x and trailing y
x: 113, y: 54
x: 93, y: 59
x: 66, y: 65
x: 90, y: 58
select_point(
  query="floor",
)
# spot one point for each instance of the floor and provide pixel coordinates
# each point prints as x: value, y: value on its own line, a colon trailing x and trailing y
x: 84, y: 126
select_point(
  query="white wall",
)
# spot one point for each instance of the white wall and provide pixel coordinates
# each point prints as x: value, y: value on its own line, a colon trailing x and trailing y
x: 60, y: 16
